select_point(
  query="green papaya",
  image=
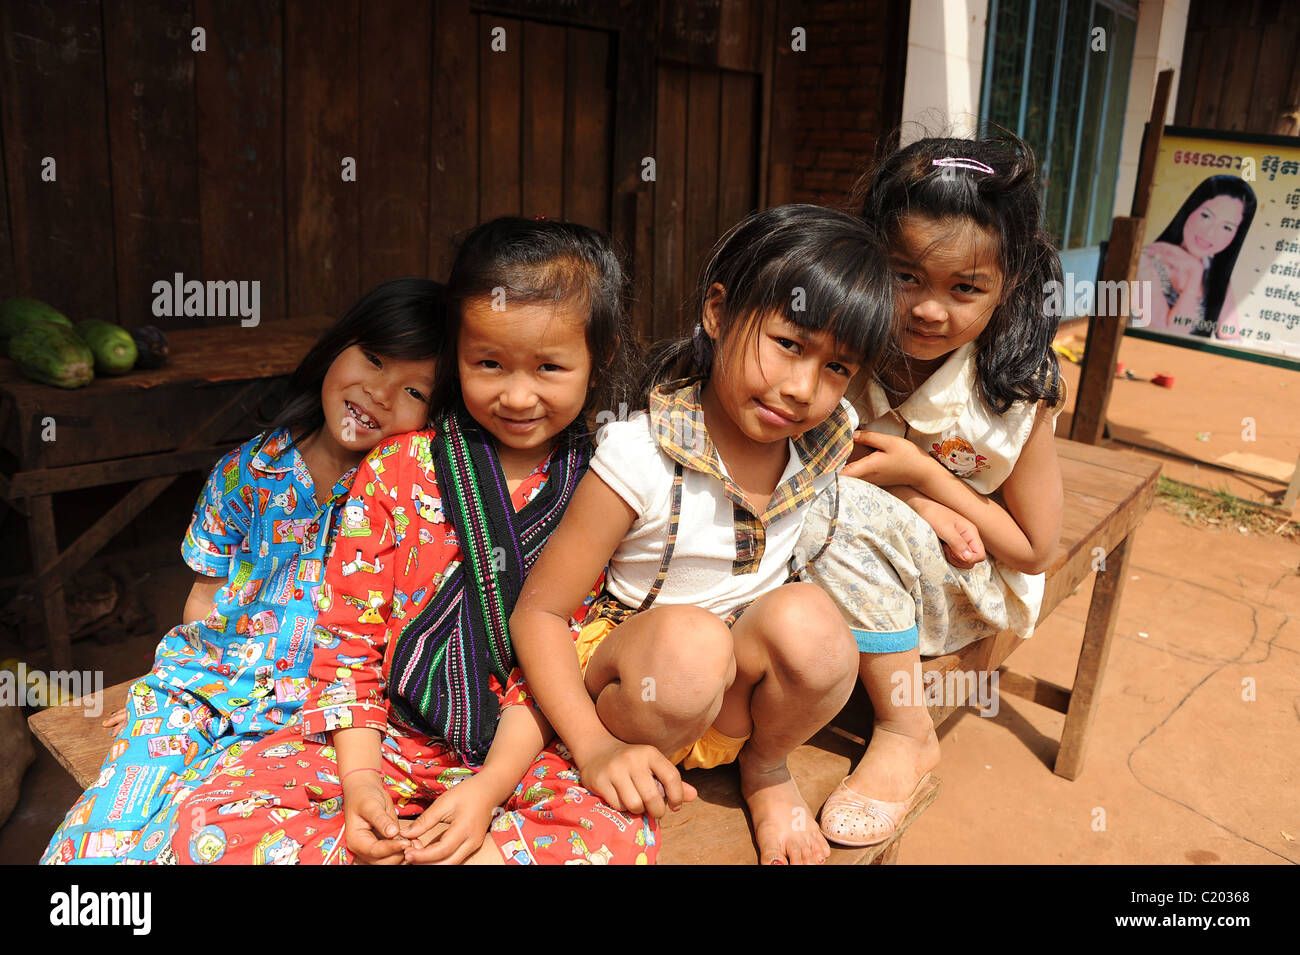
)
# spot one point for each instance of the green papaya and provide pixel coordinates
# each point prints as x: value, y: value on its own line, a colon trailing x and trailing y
x: 151, y: 343
x: 52, y: 354
x: 112, y: 345
x: 18, y: 313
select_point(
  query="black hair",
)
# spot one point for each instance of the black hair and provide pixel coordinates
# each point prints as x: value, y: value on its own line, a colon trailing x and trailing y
x: 1215, y: 284
x: 1014, y: 357
x: 539, y: 262
x: 820, y: 269
x: 402, y: 319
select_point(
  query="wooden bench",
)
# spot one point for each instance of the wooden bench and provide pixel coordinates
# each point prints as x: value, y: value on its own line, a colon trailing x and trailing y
x: 1107, y: 494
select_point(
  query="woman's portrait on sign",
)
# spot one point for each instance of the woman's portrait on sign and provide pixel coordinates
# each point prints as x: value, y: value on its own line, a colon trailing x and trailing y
x: 1189, y: 265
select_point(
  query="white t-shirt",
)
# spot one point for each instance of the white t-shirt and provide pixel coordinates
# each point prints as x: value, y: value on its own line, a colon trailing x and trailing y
x: 704, y: 570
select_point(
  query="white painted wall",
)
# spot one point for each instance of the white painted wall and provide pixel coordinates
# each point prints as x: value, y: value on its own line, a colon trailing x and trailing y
x: 945, y: 66
x: 945, y: 69
x: 1161, y: 28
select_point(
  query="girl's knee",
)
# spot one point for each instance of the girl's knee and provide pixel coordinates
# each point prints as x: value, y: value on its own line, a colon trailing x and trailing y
x: 807, y: 637
x: 691, y: 666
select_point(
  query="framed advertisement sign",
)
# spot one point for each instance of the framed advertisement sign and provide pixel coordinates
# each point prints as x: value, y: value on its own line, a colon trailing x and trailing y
x: 1220, y: 261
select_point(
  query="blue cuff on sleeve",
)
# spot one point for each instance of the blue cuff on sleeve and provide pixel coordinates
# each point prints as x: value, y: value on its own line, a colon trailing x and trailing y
x: 895, y: 641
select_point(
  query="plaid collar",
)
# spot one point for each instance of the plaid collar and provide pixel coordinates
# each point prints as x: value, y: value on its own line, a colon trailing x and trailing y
x: 677, y: 423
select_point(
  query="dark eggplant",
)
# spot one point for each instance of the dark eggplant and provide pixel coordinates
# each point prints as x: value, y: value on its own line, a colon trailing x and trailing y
x: 151, y: 344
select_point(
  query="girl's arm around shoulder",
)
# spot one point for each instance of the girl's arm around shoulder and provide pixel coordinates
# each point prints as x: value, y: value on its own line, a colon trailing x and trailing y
x: 592, y: 528
x: 1033, y: 493
x: 1023, y: 535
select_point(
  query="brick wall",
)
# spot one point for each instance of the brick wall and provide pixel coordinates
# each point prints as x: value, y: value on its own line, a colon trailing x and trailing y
x: 848, y: 92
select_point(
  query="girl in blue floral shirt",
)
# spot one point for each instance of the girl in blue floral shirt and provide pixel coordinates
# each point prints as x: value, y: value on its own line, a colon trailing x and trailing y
x: 261, y: 533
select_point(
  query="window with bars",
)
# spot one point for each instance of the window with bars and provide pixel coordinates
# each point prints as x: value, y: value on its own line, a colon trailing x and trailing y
x: 1044, y: 80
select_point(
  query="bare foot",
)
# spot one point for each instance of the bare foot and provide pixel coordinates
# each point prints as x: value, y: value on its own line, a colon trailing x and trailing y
x: 896, y: 760
x: 784, y: 826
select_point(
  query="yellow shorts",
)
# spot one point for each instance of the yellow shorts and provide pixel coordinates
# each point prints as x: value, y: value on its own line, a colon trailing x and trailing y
x: 711, y: 749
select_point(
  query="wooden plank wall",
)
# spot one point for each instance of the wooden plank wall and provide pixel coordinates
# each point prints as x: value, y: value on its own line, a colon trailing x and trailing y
x: 1241, y: 67
x: 226, y: 163
x: 708, y: 143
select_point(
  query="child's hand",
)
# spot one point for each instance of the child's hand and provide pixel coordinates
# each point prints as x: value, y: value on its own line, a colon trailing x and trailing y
x: 895, y: 460
x: 636, y: 779
x: 115, y: 719
x: 370, y: 824
x: 961, y: 541
x: 452, y: 828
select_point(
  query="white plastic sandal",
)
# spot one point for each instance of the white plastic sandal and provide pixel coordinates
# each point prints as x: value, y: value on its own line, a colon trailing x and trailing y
x: 852, y: 819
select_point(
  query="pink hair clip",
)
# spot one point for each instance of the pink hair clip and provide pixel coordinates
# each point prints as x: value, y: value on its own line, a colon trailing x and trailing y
x: 974, y: 164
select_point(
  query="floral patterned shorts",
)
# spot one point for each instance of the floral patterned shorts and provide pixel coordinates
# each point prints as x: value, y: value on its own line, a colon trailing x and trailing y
x: 885, y: 569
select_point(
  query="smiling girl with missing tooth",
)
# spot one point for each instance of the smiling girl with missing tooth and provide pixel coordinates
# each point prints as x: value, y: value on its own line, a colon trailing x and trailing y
x: 263, y: 527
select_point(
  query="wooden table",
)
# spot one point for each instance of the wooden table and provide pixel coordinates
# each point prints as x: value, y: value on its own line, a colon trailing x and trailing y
x: 145, y: 426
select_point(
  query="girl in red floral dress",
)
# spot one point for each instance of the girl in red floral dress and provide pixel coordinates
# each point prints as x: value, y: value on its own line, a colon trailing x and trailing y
x: 419, y: 741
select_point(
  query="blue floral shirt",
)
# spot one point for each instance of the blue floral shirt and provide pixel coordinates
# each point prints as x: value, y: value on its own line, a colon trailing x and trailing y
x: 257, y: 524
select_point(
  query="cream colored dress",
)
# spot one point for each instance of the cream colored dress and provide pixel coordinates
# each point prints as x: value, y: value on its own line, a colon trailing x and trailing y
x: 885, y: 566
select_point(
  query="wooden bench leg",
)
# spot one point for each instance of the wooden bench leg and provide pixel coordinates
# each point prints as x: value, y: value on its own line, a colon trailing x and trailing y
x: 45, y: 553
x: 1097, y: 634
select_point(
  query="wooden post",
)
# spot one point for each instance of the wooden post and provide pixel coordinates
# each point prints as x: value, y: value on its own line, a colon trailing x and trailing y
x: 1105, y: 332
x: 1151, y: 145
x: 45, y: 554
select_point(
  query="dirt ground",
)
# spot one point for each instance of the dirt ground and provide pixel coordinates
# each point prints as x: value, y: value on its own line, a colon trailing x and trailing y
x: 1192, y: 758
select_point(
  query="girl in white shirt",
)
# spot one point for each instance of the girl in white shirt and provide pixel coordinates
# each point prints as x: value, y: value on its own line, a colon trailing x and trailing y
x: 696, y: 506
x: 958, y: 429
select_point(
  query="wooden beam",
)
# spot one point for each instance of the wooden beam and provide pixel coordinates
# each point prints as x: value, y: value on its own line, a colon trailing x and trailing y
x: 631, y: 219
x: 1043, y: 692
x: 1105, y: 332
x: 45, y: 554
x: 139, y: 497
x: 53, y: 480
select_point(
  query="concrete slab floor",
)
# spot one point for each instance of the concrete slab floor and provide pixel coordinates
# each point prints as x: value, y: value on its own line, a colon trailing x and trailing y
x: 1182, y: 765
x: 1218, y: 408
